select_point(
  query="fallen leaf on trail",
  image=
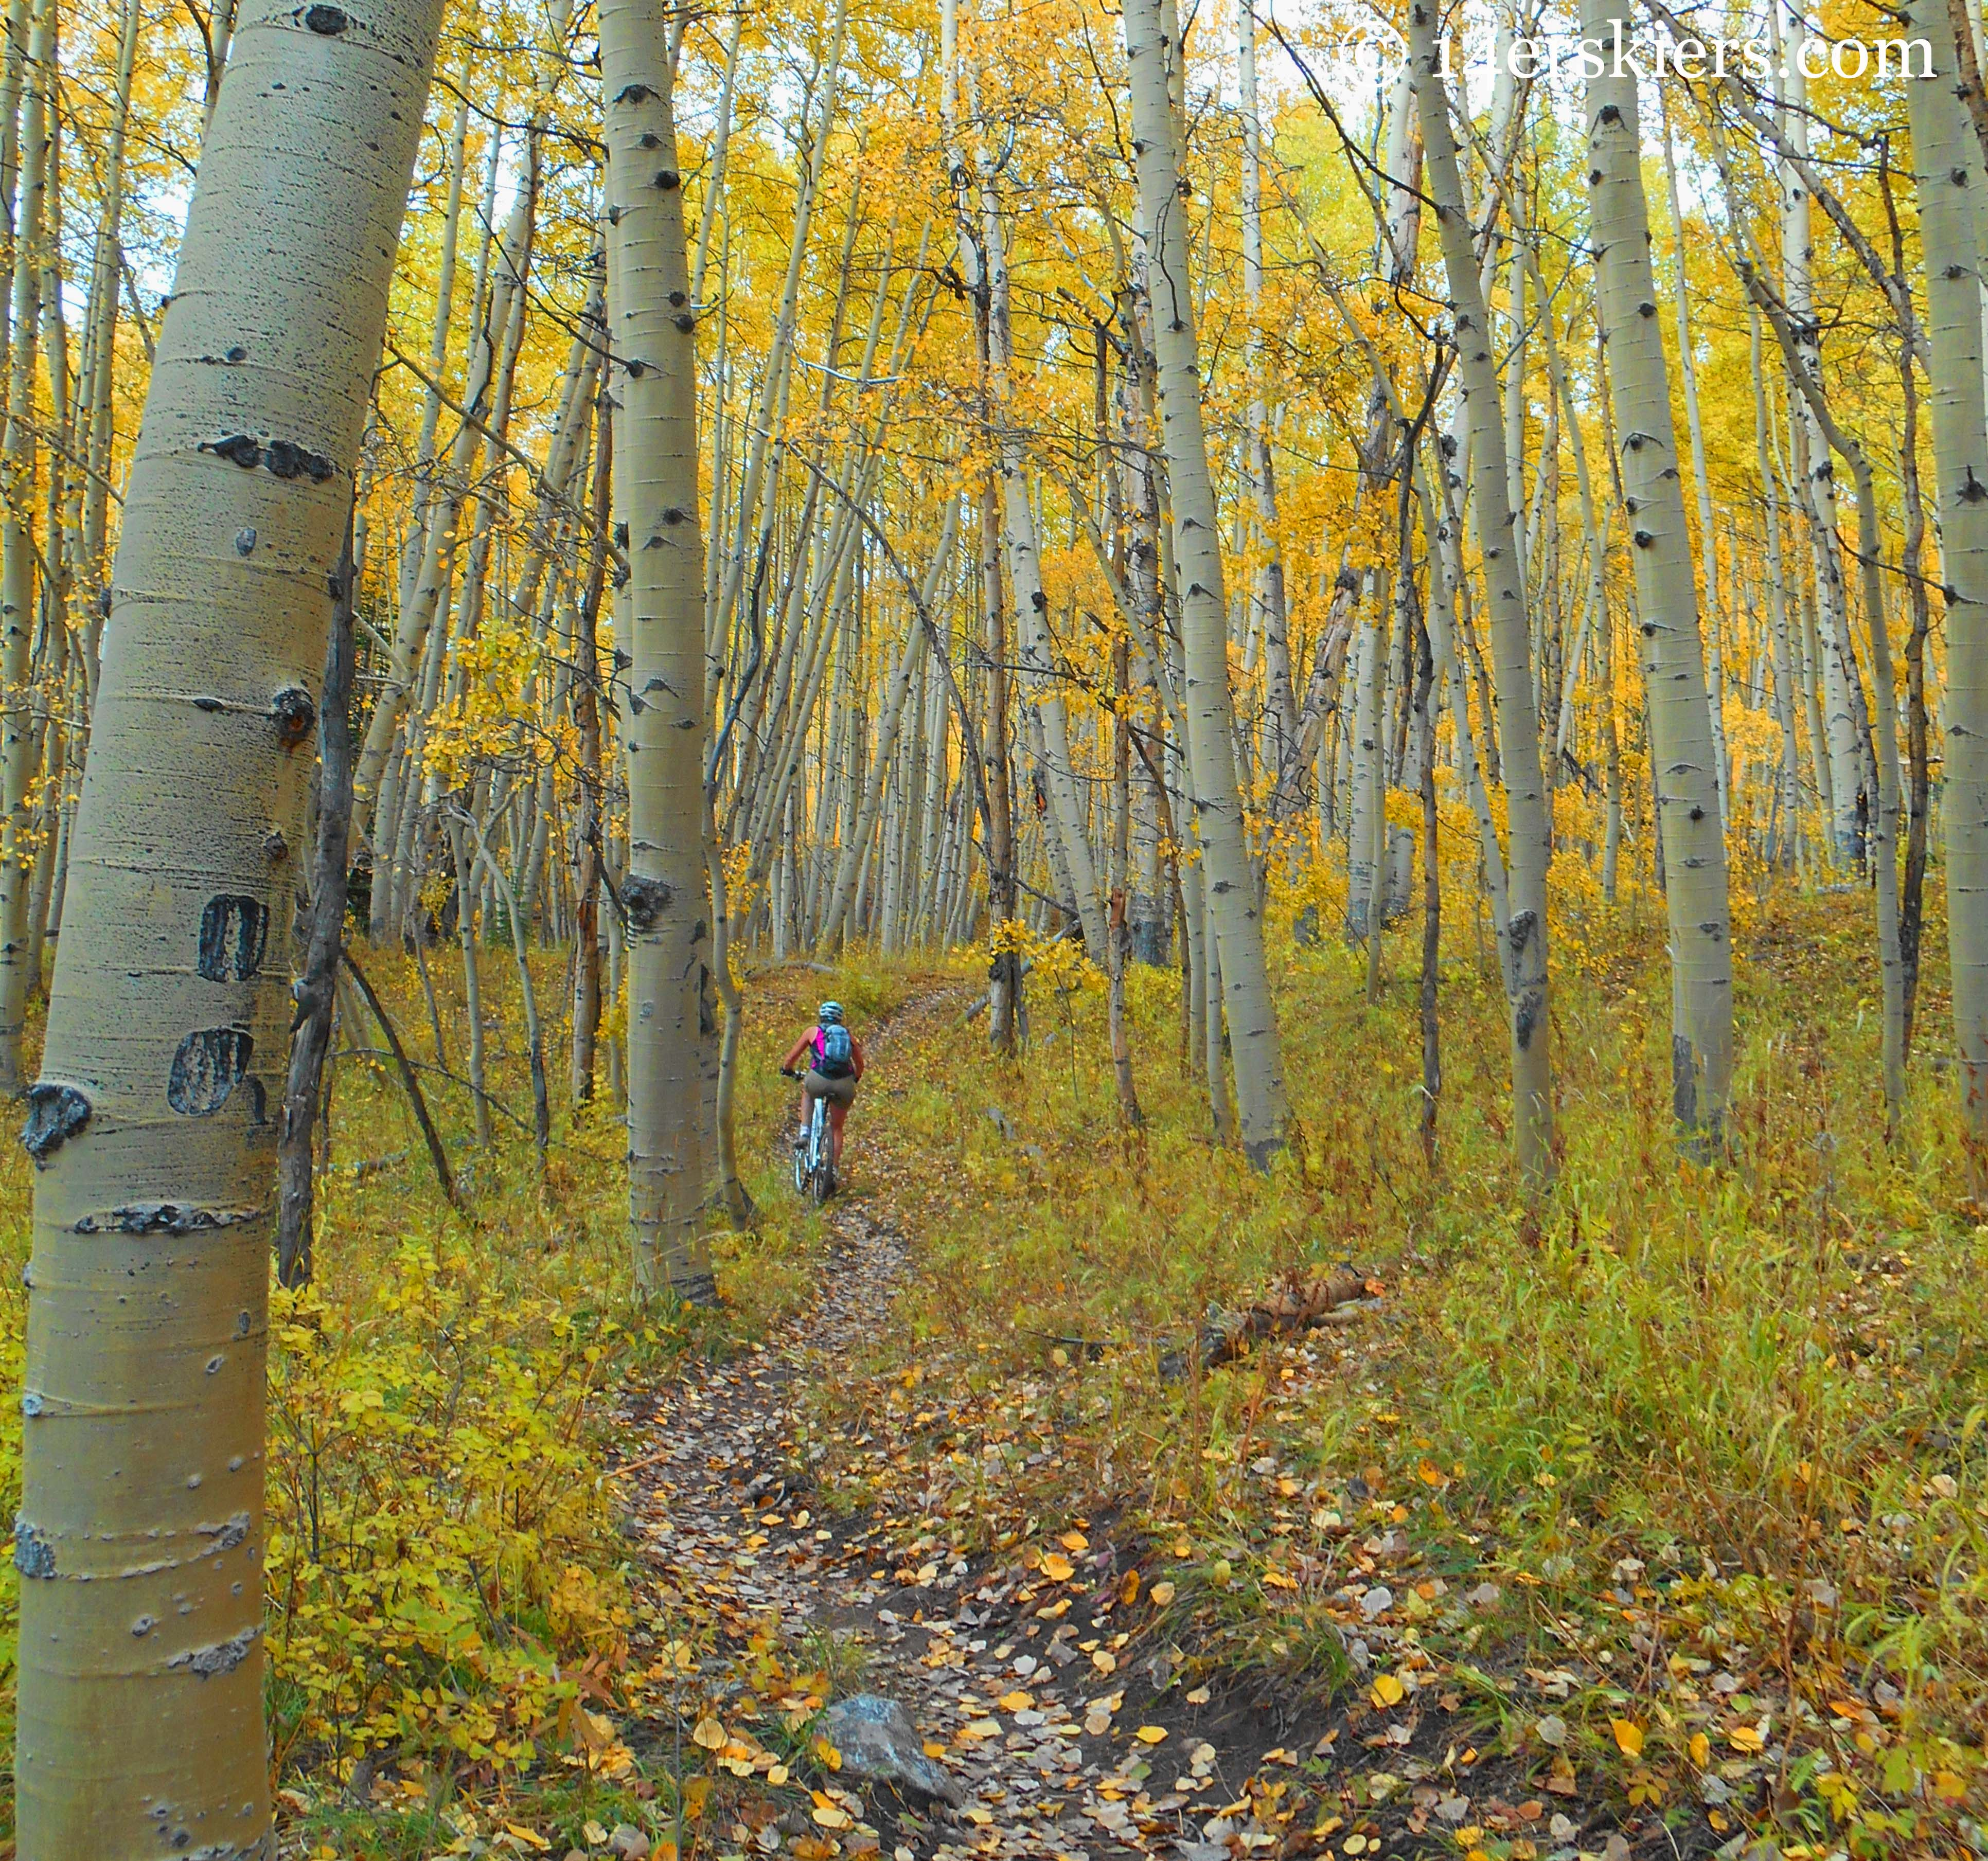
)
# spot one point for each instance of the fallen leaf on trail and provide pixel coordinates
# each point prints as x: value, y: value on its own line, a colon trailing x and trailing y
x: 811, y: 1847
x: 1628, y: 1736
x: 1388, y: 1690
x: 1104, y: 1661
x: 1745, y: 1738
x: 1160, y: 1594
x: 1075, y: 1542
x: 1016, y: 1701
x: 829, y: 1817
x: 1199, y: 1697
x: 527, y: 1835
x: 1058, y: 1569
x: 1151, y: 1735
x: 827, y: 1754
x: 708, y: 1733
x: 1552, y: 1729
x: 1701, y: 1750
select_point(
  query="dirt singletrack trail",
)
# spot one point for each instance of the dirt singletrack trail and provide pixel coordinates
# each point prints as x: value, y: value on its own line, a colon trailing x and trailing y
x: 724, y: 1514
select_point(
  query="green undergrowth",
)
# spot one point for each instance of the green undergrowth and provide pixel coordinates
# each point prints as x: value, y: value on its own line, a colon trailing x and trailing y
x: 1702, y: 1446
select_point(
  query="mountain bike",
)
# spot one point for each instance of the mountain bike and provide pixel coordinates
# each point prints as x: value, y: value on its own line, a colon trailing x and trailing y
x: 814, y: 1152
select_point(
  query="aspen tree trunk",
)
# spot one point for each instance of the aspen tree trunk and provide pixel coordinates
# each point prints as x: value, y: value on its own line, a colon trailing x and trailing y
x: 1708, y: 547
x: 1367, y: 798
x: 1789, y: 784
x: 1442, y: 526
x: 18, y: 736
x: 153, y: 1125
x: 1272, y: 615
x: 1950, y: 179
x: 1256, y: 1052
x: 1911, y: 901
x: 739, y: 1201
x: 1528, y: 825
x: 1004, y: 972
x: 315, y: 990
x: 1376, y: 750
x: 586, y: 997
x: 652, y: 327
x: 1129, y: 1111
x: 100, y: 361
x: 1681, y: 753
x: 1817, y: 484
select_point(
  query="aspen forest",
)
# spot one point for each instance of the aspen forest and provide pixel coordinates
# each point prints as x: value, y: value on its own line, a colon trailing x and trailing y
x: 994, y: 928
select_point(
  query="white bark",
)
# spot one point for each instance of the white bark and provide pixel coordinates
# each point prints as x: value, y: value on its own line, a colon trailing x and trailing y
x: 1950, y: 180
x: 1152, y: 48
x: 1682, y: 759
x: 652, y: 329
x: 140, y: 1534
x: 1529, y: 825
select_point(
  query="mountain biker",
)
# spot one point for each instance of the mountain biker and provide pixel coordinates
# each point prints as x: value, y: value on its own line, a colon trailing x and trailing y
x: 835, y: 1064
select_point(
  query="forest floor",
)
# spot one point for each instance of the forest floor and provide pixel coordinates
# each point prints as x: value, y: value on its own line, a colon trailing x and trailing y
x: 1645, y: 1522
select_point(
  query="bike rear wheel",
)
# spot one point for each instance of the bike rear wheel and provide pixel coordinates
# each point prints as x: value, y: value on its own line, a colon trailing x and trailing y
x: 821, y: 1175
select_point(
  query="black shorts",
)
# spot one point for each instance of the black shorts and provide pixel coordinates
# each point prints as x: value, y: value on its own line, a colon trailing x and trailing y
x: 837, y: 1092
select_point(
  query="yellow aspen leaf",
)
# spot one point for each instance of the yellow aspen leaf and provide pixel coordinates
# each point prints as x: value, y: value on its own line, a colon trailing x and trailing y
x: 1151, y: 1735
x: 708, y: 1733
x: 827, y: 1755
x: 1058, y: 1569
x: 1701, y: 1750
x: 1075, y: 1543
x: 1017, y: 1701
x: 1105, y: 1661
x: 1745, y: 1738
x: 1628, y: 1736
x: 1160, y: 1594
x: 1388, y: 1690
x: 530, y: 1837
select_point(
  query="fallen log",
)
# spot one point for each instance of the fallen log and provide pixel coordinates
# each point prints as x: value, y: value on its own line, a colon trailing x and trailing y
x: 1299, y: 1302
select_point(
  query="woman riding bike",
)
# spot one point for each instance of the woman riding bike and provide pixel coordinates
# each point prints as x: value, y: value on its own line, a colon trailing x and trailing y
x: 835, y: 1065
